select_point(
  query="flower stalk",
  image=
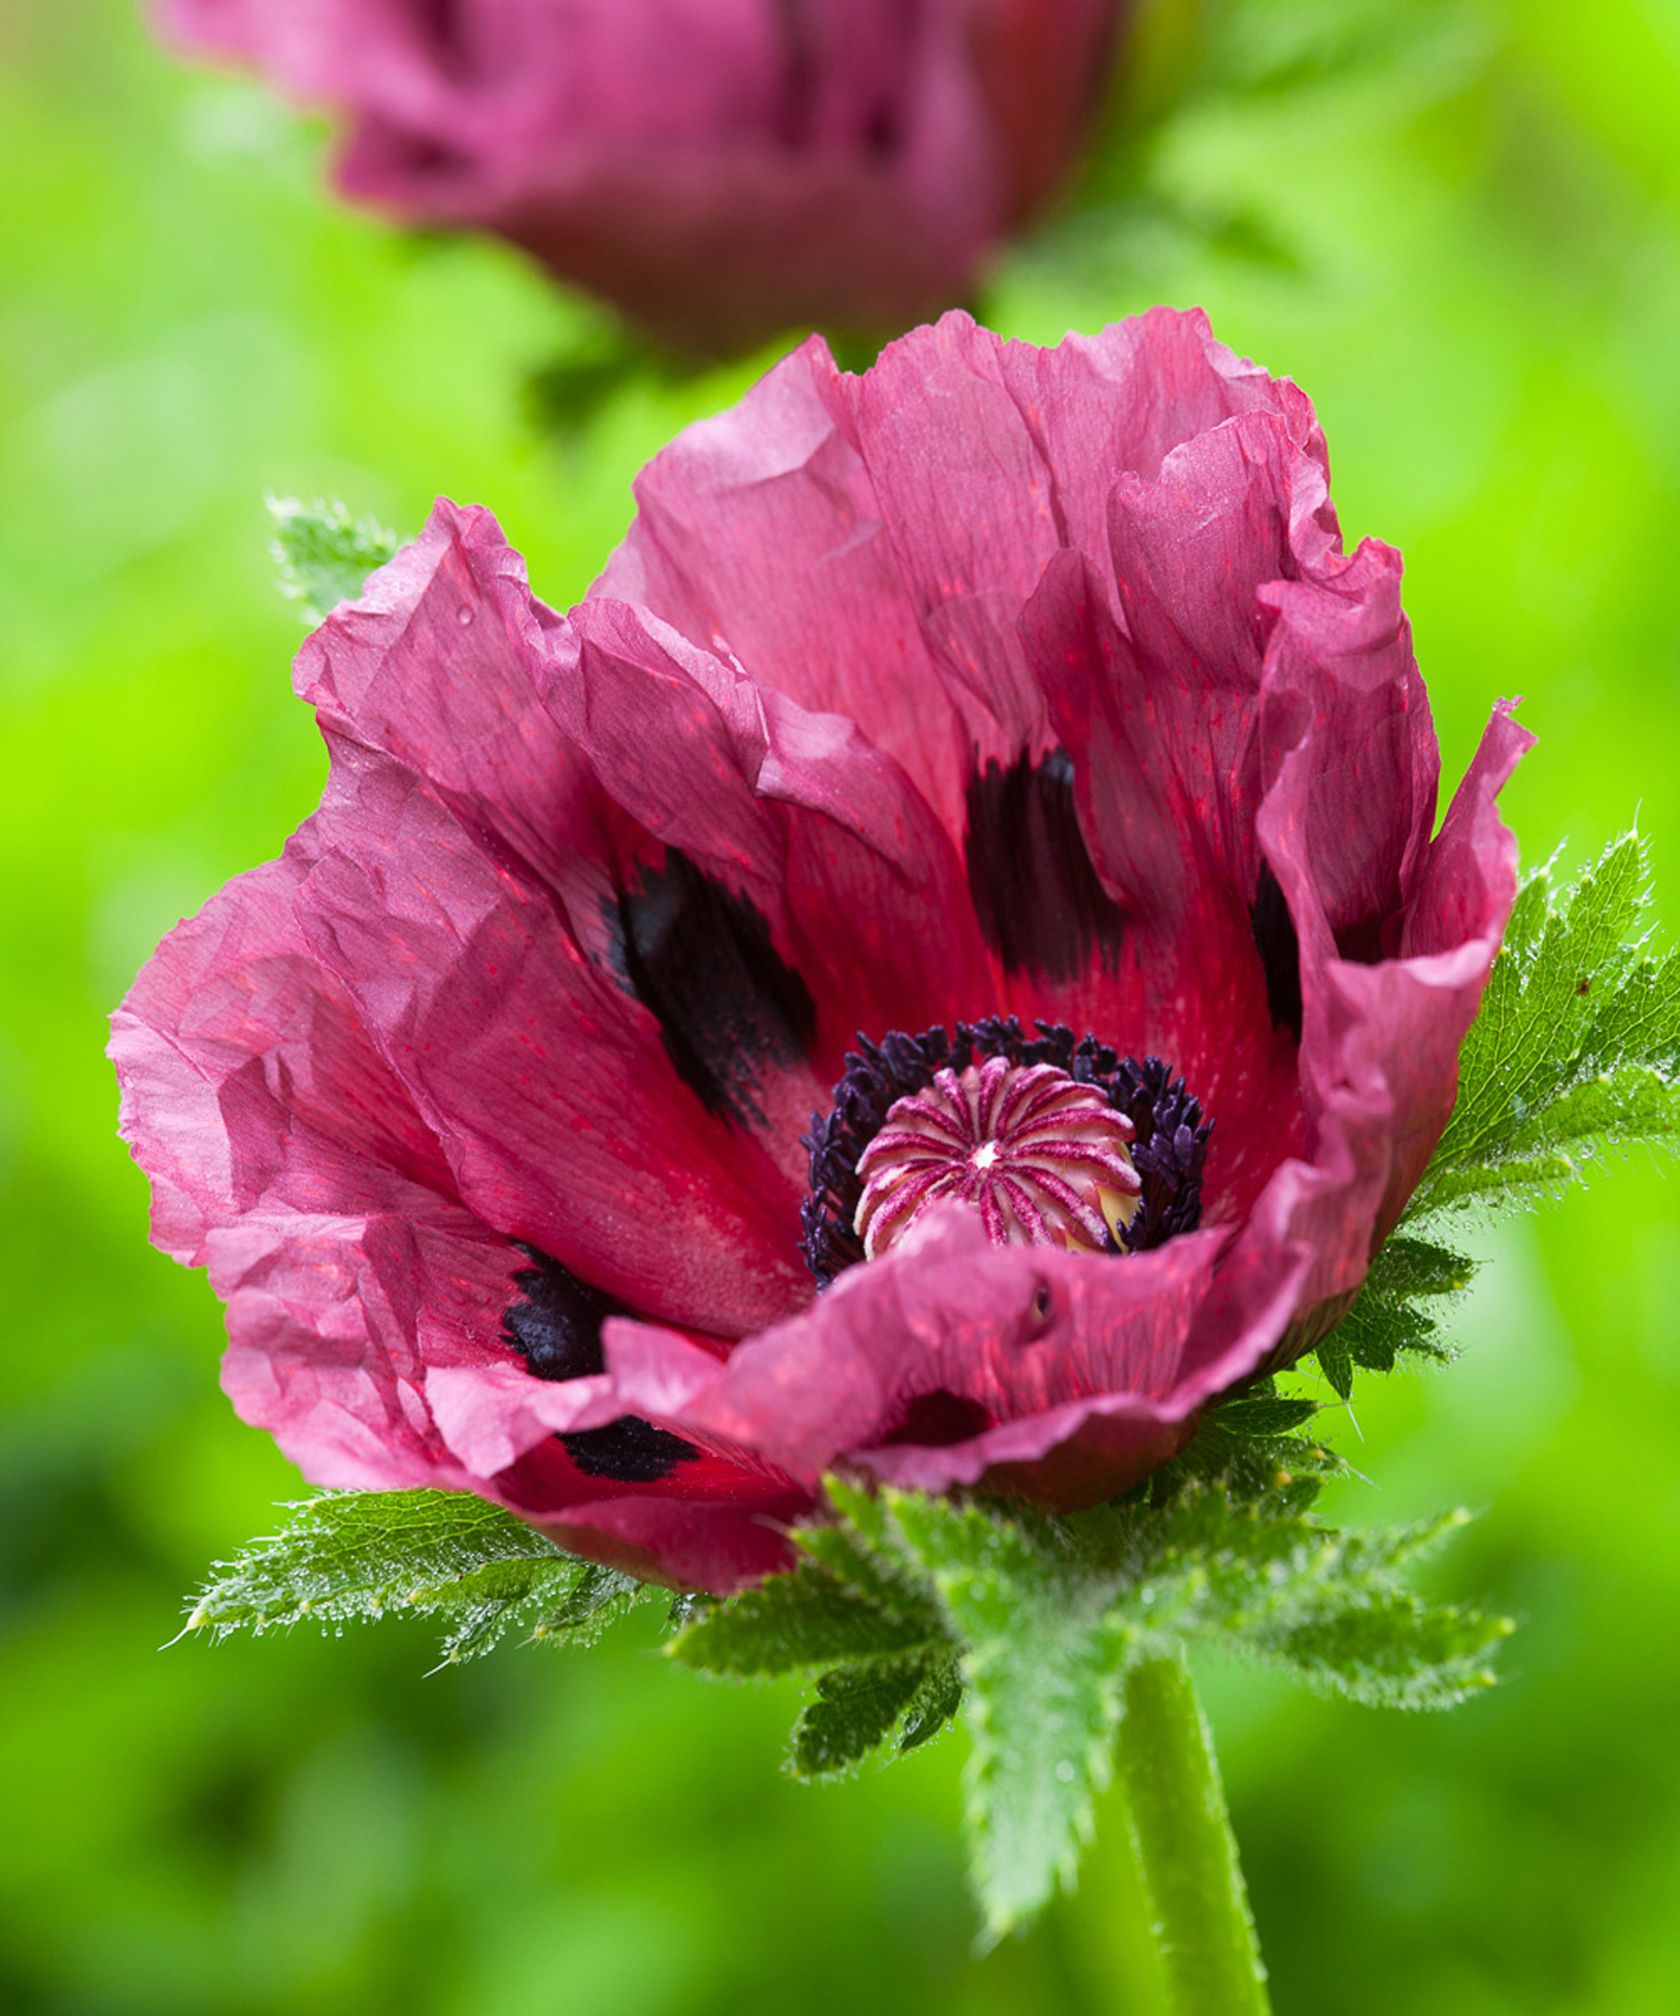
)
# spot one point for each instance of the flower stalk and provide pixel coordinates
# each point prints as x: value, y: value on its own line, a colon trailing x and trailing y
x: 1186, y: 1853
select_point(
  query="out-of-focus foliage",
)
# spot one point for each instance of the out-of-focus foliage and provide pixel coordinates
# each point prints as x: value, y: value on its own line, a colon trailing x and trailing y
x: 325, y: 553
x: 1457, y: 222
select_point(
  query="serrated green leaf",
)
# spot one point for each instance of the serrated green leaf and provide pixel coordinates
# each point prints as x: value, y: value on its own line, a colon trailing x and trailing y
x: 858, y: 1548
x: 1378, y: 1331
x: 1044, y: 1663
x: 805, y: 1619
x: 598, y: 1598
x: 1266, y: 1414
x: 356, y: 1555
x: 1286, y: 1470
x: 1207, y: 1565
x: 1265, y: 1581
x: 324, y: 554
x: 1385, y: 1322
x: 1325, y: 1605
x: 855, y: 1709
x: 1335, y: 1361
x: 1407, y: 1266
x: 1576, y: 1049
x: 1392, y: 1651
x: 936, y: 1702
x: 1543, y: 1153
x: 1389, y: 1551
x: 906, y: 1610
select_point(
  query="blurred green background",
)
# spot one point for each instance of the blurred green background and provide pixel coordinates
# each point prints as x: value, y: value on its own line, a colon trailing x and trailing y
x: 1458, y: 225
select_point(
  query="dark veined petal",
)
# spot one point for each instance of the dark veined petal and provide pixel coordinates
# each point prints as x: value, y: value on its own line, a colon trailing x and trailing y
x: 955, y: 1362
x: 367, y: 1306
x: 995, y: 683
x: 1253, y: 771
x: 286, y: 1158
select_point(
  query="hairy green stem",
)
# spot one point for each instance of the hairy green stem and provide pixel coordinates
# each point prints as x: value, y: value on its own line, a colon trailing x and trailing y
x: 1186, y: 1852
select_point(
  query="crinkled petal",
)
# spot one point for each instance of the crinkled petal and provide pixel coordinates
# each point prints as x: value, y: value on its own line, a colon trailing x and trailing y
x: 365, y: 1302
x: 566, y: 1122
x: 996, y: 681
x: 541, y: 838
x: 1058, y: 1374
x: 989, y: 458
x: 758, y: 535
x: 826, y: 835
x: 286, y: 1158
x: 866, y: 544
x: 1197, y: 981
x: 1339, y: 667
x: 1380, y: 1038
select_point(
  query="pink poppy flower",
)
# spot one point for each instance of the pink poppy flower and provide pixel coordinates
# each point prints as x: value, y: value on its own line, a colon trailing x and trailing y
x: 718, y: 169
x: 1016, y: 708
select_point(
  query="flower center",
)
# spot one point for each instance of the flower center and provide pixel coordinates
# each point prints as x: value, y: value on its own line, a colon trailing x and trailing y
x: 1043, y: 1160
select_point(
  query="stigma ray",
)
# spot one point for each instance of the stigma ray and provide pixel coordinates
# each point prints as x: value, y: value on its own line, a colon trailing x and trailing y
x: 1040, y: 1159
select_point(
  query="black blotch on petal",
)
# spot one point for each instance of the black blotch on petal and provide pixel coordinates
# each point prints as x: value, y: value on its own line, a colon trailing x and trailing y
x: 1036, y: 893
x: 883, y: 130
x: 1280, y: 952
x: 702, y: 962
x: 556, y: 1328
x: 628, y: 1450
x: 556, y: 1325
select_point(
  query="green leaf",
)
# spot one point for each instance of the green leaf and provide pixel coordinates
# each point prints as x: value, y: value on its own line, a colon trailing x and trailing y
x: 357, y: 1555
x: 855, y: 1709
x: 1335, y: 1361
x: 1050, y: 1615
x: 1385, y: 1321
x: 1576, y: 1049
x: 1286, y: 1470
x: 1044, y: 1662
x: 1267, y: 1414
x: 1350, y: 1628
x: 599, y: 1597
x: 1261, y: 1579
x: 1392, y: 1651
x: 904, y: 1611
x: 1406, y: 1266
x: 937, y: 1701
x: 323, y: 554
x: 860, y: 1548
x: 800, y: 1621
x: 869, y: 1632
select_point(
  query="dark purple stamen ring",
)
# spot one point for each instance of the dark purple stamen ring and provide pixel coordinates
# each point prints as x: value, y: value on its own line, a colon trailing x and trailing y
x: 1168, y: 1149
